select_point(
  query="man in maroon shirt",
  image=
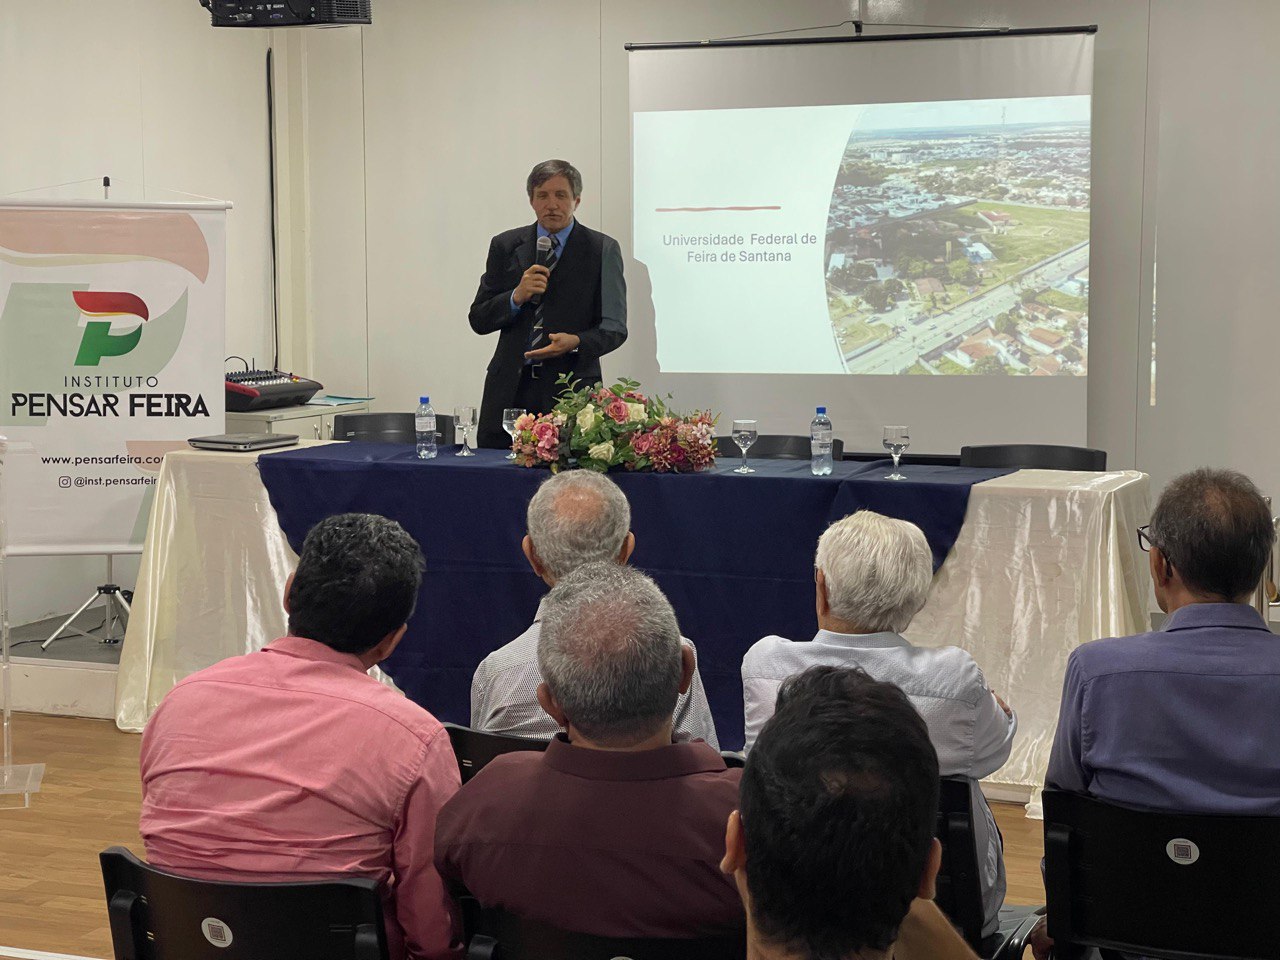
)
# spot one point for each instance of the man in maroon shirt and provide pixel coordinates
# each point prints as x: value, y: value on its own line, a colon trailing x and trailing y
x: 616, y: 830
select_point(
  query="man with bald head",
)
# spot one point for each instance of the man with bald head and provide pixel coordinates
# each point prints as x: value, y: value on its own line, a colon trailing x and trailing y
x: 575, y: 518
x: 616, y: 830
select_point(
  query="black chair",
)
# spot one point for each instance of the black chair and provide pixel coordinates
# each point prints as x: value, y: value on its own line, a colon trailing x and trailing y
x: 388, y: 428
x: 498, y: 935
x: 1034, y: 456
x: 959, y: 881
x: 475, y: 748
x: 732, y: 760
x: 1166, y: 885
x: 773, y: 446
x: 908, y: 459
x: 159, y: 916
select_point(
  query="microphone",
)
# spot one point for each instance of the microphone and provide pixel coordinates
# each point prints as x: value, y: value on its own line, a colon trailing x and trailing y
x: 544, y: 254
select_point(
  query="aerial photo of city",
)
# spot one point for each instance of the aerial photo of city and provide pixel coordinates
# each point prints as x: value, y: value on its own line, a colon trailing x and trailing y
x: 958, y: 239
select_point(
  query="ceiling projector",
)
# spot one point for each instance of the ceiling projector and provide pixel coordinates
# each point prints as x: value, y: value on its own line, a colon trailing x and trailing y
x: 287, y: 13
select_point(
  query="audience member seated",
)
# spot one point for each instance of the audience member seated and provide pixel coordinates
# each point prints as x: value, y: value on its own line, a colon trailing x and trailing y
x: 873, y: 576
x: 293, y: 764
x: 1184, y: 719
x: 833, y: 846
x: 575, y: 518
x: 615, y: 830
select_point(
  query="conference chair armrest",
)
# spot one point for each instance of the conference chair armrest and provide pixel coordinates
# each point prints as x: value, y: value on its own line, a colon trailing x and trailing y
x: 1016, y: 945
x: 482, y: 947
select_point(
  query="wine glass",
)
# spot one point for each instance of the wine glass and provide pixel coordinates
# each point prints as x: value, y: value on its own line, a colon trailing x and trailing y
x: 896, y: 440
x: 465, y: 417
x: 744, y: 435
x: 509, y: 417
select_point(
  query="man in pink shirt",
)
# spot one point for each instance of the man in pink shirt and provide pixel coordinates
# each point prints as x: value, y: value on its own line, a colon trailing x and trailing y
x: 293, y: 764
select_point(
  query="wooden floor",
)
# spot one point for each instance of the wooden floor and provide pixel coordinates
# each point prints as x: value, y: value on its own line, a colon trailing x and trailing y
x: 50, y: 888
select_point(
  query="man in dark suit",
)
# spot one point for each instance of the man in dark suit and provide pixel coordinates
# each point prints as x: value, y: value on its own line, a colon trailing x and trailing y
x: 552, y: 318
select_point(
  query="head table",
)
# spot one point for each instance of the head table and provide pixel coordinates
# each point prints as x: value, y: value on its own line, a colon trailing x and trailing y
x: 1029, y: 565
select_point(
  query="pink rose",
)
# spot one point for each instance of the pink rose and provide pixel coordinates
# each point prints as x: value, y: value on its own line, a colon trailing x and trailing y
x: 642, y: 443
x: 544, y: 431
x: 617, y: 411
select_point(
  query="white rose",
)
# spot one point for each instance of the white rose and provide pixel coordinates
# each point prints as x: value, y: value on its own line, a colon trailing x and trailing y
x: 636, y: 413
x: 602, y: 451
x: 586, y: 418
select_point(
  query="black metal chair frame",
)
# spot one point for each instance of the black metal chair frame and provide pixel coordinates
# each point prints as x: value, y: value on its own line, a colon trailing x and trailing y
x: 775, y: 446
x: 404, y: 433
x: 1163, y: 885
x: 475, y: 748
x: 155, y: 915
x: 959, y: 888
x: 497, y: 935
x: 1034, y: 456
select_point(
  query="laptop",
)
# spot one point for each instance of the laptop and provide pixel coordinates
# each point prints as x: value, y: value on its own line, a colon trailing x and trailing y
x: 244, y: 442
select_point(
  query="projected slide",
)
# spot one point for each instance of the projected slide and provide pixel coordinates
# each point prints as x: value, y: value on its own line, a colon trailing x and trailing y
x: 940, y: 238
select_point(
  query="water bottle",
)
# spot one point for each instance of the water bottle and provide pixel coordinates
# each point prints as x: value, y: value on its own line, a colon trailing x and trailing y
x: 424, y: 425
x: 820, y: 443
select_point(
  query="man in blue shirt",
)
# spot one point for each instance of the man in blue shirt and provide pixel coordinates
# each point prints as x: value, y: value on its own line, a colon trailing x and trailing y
x: 1184, y: 719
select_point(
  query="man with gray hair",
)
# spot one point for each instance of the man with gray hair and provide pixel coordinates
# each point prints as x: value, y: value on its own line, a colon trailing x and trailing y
x: 575, y: 518
x: 616, y: 830
x: 872, y: 576
x: 553, y: 292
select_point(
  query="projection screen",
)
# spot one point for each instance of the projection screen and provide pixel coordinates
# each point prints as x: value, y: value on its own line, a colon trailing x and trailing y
x: 896, y: 229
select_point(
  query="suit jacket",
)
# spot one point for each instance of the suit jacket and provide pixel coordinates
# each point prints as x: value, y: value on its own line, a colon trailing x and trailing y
x: 586, y: 296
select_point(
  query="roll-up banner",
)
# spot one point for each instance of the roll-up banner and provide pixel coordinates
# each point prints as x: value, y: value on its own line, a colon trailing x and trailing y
x: 112, y: 321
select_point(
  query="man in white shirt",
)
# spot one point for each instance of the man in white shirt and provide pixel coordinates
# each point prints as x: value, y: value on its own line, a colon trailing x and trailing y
x: 873, y: 575
x: 576, y: 517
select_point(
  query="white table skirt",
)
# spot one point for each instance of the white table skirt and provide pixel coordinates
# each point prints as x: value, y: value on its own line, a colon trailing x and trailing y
x: 1046, y: 560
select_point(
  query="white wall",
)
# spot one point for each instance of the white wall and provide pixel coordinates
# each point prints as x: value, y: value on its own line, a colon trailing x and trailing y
x: 456, y: 109
x: 147, y: 92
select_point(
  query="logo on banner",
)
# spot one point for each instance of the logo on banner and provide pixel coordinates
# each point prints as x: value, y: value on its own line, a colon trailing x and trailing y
x: 105, y: 313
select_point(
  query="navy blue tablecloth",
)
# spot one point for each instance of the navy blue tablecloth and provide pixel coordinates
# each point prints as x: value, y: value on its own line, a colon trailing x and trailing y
x: 733, y: 553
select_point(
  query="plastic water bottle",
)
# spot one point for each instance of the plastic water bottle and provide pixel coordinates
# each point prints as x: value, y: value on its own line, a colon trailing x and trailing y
x: 424, y: 425
x: 820, y: 443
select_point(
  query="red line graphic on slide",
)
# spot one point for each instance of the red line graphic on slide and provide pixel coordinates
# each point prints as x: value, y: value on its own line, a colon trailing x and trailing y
x: 102, y: 303
x: 708, y: 209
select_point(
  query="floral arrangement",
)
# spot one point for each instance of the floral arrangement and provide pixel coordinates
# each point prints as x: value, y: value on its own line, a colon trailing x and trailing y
x: 598, y: 428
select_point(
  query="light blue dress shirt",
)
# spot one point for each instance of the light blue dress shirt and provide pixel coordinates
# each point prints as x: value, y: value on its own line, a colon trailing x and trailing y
x: 970, y: 731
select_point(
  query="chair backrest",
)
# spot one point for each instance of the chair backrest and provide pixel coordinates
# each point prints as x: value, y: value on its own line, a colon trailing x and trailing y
x: 1034, y: 456
x: 475, y: 748
x: 773, y: 446
x: 388, y: 428
x: 1160, y: 885
x: 959, y: 893
x: 158, y: 916
x: 499, y: 935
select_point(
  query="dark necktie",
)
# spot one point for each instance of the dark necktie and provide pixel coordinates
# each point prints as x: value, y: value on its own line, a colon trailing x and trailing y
x: 535, y: 334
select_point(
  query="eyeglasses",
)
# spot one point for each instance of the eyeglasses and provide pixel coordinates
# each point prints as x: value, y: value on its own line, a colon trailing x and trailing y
x: 1144, y: 539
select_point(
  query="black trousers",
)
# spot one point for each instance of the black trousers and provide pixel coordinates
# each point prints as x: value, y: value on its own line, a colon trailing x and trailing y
x: 535, y: 393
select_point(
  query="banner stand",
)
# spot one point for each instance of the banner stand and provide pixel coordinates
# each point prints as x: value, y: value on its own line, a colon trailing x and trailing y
x: 112, y: 319
x: 17, y: 781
